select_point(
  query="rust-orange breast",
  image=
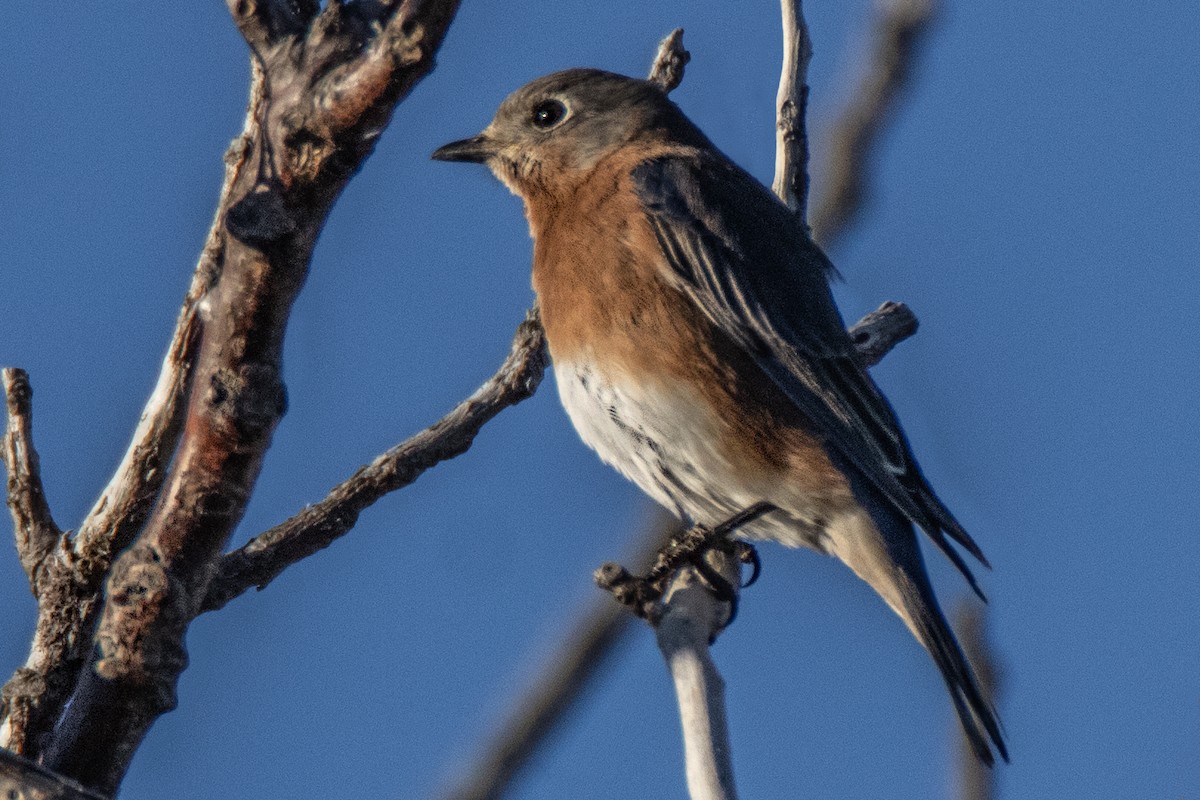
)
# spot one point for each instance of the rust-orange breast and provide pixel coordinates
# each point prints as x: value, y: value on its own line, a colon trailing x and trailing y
x: 606, y: 300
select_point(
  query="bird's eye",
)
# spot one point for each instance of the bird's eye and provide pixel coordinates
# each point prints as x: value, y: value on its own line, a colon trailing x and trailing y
x: 547, y: 114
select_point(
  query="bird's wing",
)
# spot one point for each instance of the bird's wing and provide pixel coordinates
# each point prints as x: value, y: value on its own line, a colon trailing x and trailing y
x: 743, y: 258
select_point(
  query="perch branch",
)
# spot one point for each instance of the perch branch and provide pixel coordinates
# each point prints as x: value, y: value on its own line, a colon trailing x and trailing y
x: 316, y: 527
x: 898, y: 30
x: 33, y: 524
x: 644, y: 595
x: 691, y: 619
x: 334, y: 80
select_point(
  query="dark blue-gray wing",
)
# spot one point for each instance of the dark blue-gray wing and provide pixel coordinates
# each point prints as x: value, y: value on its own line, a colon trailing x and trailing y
x: 739, y: 254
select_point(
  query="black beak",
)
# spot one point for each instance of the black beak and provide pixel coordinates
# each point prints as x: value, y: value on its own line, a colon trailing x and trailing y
x: 477, y: 149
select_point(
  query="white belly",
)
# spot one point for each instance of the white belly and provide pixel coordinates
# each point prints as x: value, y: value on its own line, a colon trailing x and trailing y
x: 668, y: 442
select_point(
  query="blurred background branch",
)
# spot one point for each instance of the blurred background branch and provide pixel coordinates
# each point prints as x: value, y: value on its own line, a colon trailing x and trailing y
x: 975, y: 780
x: 898, y: 30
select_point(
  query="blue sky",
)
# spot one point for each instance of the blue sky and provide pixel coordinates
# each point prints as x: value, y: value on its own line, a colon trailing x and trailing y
x: 1036, y: 205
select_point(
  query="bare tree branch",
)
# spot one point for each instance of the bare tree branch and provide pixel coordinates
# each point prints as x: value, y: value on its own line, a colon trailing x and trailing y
x: 545, y: 705
x: 263, y: 24
x: 334, y: 80
x: 669, y: 62
x: 645, y: 594
x: 898, y: 31
x: 316, y: 527
x: 33, y: 524
x: 791, y: 105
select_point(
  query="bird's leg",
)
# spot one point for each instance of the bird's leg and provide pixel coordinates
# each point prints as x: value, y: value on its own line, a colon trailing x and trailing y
x: 689, y: 547
x: 719, y: 538
x: 744, y: 517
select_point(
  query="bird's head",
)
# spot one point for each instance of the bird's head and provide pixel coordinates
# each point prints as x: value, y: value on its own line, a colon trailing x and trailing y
x: 550, y: 133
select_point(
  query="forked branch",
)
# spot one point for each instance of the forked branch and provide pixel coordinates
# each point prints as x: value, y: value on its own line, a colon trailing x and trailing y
x: 335, y: 75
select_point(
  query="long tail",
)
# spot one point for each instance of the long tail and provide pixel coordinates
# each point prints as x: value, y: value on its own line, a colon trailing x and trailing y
x: 975, y: 712
x: 880, y: 545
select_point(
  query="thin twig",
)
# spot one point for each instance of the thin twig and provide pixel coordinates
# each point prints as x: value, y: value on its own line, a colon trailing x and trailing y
x: 644, y: 594
x: 877, y: 333
x: 898, y: 30
x: 791, y: 105
x: 318, y: 526
x: 669, y: 62
x: 544, y: 705
x: 33, y: 524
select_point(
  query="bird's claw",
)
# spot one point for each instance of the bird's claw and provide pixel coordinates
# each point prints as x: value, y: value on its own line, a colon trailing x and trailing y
x: 689, y: 547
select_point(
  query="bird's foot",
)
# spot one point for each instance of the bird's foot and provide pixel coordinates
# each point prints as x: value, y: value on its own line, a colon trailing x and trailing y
x: 689, y: 548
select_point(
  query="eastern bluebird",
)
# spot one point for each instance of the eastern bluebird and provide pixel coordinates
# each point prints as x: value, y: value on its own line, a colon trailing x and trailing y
x: 697, y: 347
